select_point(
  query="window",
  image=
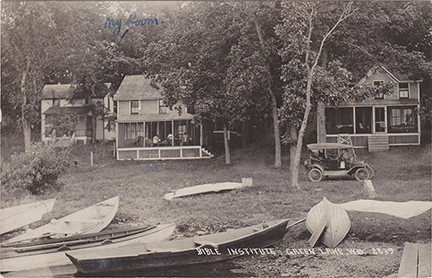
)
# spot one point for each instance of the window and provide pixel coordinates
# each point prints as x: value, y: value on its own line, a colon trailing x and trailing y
x: 133, y: 130
x: 402, y: 119
x: 379, y: 93
x: 396, y: 117
x: 339, y: 120
x: 56, y: 102
x: 162, y: 107
x: 134, y: 106
x: 403, y: 90
x: 115, y: 107
x: 363, y: 119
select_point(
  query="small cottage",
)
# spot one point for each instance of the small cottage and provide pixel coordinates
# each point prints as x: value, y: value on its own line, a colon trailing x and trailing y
x: 385, y: 120
x: 67, y: 121
x: 147, y: 129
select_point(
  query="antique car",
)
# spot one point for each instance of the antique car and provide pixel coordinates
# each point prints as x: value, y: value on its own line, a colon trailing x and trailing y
x: 335, y: 160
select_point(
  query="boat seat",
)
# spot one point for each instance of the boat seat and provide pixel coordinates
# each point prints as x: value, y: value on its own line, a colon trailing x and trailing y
x: 202, y: 242
x: 160, y: 250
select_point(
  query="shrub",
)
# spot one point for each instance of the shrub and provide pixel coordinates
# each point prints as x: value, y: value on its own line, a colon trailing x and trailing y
x: 35, y: 171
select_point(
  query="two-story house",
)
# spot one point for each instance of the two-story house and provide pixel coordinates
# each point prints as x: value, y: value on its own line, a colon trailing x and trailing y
x: 147, y: 129
x: 386, y: 120
x: 69, y: 121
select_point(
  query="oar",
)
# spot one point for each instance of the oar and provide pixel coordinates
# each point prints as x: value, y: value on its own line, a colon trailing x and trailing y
x: 295, y: 223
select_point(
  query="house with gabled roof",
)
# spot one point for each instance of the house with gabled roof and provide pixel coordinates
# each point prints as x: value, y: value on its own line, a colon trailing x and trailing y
x: 385, y: 120
x: 66, y: 120
x: 147, y: 129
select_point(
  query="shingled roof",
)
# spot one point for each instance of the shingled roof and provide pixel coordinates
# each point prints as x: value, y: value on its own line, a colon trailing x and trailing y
x: 65, y: 91
x: 57, y: 91
x: 136, y: 87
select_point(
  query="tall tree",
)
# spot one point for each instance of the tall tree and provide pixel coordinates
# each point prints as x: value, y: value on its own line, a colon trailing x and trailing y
x: 28, y: 32
x: 304, y: 52
x: 258, y: 49
x: 193, y: 65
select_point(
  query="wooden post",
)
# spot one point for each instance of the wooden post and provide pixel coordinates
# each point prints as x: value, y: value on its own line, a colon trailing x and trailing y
x: 370, y: 188
x: 91, y: 159
x: 201, y: 135
x: 247, y: 182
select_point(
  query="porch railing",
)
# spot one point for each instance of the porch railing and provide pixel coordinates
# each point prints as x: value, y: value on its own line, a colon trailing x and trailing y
x: 163, y: 153
x: 395, y: 139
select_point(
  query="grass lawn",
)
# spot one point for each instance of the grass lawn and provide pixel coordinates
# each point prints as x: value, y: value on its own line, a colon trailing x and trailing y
x: 401, y: 174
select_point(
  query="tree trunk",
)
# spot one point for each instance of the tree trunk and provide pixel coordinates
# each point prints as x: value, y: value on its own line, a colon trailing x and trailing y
x: 293, y: 135
x: 276, y: 131
x: 321, y: 120
x: 278, y: 148
x: 244, y: 135
x: 296, y: 164
x: 25, y: 124
x: 227, y: 150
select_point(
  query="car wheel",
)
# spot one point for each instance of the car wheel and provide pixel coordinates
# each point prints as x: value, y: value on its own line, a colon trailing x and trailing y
x: 315, y: 175
x: 371, y: 171
x: 361, y: 174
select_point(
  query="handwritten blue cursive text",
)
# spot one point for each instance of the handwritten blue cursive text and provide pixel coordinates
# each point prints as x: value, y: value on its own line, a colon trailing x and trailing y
x: 132, y: 20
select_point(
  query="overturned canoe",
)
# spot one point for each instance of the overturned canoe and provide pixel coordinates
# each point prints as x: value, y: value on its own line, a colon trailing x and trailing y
x: 16, y: 217
x: 403, y: 210
x: 327, y: 222
x: 204, y: 188
x: 89, y: 220
x: 181, y: 252
x: 55, y: 260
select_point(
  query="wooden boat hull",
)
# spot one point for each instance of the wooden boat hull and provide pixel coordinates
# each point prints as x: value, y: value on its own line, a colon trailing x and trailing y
x: 44, y: 246
x: 89, y: 220
x: 16, y: 217
x: 58, y: 260
x: 203, y: 188
x: 181, y: 252
x: 336, y: 221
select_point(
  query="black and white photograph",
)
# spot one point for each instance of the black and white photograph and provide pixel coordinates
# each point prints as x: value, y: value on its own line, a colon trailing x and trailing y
x: 216, y: 139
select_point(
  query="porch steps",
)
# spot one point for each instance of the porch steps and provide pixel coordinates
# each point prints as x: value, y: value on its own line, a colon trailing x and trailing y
x: 207, y: 152
x: 378, y: 143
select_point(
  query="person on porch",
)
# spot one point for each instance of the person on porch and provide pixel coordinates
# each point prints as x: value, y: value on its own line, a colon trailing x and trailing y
x: 185, y: 139
x: 156, y: 140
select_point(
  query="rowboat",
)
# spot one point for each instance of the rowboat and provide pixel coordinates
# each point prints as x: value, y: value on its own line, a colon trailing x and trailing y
x: 328, y: 222
x: 33, y: 262
x: 89, y: 220
x: 16, y: 217
x: 205, y: 188
x: 49, y: 245
x: 181, y: 252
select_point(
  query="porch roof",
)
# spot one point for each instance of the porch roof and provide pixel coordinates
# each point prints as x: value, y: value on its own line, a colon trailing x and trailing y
x: 137, y: 118
x: 74, y: 110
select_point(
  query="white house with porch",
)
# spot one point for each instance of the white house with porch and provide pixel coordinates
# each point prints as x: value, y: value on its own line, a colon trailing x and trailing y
x: 147, y: 130
x: 385, y: 120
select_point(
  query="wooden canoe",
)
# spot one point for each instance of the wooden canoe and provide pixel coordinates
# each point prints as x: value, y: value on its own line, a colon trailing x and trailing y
x: 89, y: 220
x: 49, y: 245
x: 327, y: 222
x: 38, y: 263
x: 181, y: 252
x: 16, y: 217
x: 203, y: 188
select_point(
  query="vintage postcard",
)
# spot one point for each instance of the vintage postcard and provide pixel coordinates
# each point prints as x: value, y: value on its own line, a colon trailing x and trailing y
x: 216, y: 139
